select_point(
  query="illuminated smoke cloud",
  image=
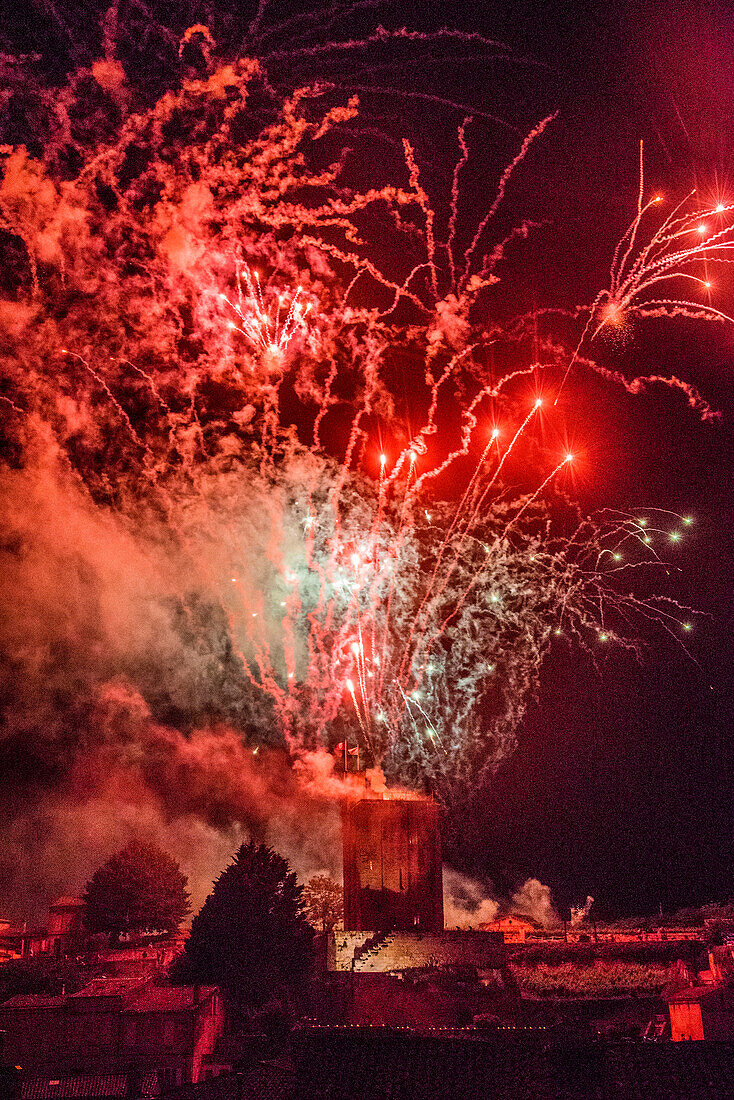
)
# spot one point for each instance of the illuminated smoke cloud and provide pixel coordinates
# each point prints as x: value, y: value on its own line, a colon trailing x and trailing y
x: 533, y: 899
x: 579, y: 913
x: 467, y: 903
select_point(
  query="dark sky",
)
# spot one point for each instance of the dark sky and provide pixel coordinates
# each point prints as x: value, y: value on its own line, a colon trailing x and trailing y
x: 621, y: 786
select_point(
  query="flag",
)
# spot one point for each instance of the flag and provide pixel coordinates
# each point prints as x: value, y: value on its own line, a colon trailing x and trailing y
x: 354, y: 751
x: 341, y: 747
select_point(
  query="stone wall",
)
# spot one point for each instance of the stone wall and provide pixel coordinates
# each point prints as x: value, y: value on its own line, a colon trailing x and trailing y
x: 381, y: 953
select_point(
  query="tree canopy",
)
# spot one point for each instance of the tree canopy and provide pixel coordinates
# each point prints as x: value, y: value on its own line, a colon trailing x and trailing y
x: 251, y: 937
x: 323, y: 900
x: 43, y: 974
x: 139, y: 889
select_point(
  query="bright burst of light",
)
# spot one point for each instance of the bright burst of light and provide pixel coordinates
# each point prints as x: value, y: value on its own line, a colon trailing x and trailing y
x: 613, y: 314
x: 270, y: 329
x: 647, y: 279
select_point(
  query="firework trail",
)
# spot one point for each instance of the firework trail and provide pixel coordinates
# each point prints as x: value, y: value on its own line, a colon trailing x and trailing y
x: 268, y: 334
x: 203, y: 326
x: 675, y: 254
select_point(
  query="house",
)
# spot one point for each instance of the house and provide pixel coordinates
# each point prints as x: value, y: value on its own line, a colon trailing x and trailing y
x: 65, y: 931
x: 514, y: 929
x: 175, y: 1026
x: 705, y: 1009
x: 702, y: 1012
x: 114, y: 1025
x: 99, y: 1086
x: 64, y: 935
x: 10, y: 947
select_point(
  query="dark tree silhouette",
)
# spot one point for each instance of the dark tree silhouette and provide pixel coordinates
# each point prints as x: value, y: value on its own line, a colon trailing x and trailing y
x: 43, y: 974
x: 323, y: 900
x: 251, y: 937
x: 140, y: 889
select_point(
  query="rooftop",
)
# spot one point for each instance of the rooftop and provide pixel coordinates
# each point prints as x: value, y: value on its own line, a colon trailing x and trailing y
x: 175, y: 998
x: 354, y: 1064
x: 110, y: 987
x: 88, y: 1086
x: 34, y: 1000
x: 67, y: 903
x: 697, y: 993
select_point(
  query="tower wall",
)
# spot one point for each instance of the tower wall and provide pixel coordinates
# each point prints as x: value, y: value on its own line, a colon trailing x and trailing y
x: 392, y: 865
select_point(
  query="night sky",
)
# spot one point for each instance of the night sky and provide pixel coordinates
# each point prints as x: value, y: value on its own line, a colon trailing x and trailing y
x: 621, y: 784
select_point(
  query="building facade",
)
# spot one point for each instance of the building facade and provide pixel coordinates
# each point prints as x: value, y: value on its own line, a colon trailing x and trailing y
x: 392, y: 865
x: 114, y: 1026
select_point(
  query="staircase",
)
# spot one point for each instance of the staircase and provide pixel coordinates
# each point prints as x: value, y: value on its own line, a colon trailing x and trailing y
x: 371, y: 947
x: 656, y: 1029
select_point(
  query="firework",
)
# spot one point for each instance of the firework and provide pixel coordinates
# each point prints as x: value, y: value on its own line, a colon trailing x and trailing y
x: 222, y: 384
x: 270, y: 331
x: 647, y: 282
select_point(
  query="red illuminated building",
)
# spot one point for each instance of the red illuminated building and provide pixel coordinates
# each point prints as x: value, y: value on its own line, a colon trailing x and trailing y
x: 392, y: 864
x: 114, y: 1025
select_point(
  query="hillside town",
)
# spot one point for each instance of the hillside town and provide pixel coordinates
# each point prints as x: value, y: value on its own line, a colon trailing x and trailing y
x: 376, y: 976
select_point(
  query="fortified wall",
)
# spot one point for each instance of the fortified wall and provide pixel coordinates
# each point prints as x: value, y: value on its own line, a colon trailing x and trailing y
x: 392, y: 952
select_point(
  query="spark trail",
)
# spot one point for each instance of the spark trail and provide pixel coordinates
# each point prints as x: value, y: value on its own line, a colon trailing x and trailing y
x: 675, y: 255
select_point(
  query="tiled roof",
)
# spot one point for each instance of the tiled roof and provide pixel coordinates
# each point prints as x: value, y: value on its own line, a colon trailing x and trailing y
x: 109, y: 987
x: 265, y: 1081
x: 696, y: 993
x: 173, y: 998
x: 88, y: 1086
x: 33, y: 1000
x: 354, y: 1066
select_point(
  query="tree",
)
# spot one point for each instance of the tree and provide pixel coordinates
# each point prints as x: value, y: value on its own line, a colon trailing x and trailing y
x: 43, y: 974
x: 323, y: 901
x: 140, y: 889
x: 251, y: 937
